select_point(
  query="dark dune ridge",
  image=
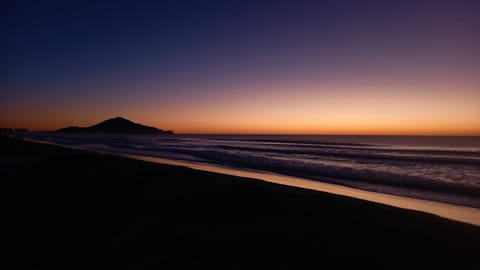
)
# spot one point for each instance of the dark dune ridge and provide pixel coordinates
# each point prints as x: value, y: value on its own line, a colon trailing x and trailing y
x: 72, y: 208
x: 116, y: 125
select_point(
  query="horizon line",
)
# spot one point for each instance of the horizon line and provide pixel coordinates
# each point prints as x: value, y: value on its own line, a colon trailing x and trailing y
x: 300, y: 134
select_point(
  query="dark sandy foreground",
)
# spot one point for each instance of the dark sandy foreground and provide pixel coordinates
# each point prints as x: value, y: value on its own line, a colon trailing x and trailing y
x: 72, y: 208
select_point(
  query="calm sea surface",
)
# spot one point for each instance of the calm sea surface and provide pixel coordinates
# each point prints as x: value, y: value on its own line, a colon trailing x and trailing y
x: 445, y: 169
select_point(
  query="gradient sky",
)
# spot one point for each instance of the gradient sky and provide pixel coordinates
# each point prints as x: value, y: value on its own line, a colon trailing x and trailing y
x: 291, y: 67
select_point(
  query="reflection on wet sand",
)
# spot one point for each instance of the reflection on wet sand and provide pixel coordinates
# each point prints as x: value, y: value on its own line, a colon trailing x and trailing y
x: 460, y: 213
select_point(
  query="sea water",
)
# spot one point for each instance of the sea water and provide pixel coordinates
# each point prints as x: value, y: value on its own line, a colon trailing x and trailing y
x: 438, y: 168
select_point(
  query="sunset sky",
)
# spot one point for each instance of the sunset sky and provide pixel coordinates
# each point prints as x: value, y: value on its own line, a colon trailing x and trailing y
x: 291, y: 67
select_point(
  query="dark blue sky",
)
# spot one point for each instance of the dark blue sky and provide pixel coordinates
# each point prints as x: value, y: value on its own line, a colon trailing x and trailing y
x: 114, y: 55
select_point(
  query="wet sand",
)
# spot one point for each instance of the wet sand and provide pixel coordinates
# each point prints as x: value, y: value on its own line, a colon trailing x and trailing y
x: 72, y: 208
x: 465, y: 214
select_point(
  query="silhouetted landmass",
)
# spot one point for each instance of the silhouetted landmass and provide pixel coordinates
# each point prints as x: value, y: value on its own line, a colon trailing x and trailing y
x: 64, y: 208
x: 116, y: 125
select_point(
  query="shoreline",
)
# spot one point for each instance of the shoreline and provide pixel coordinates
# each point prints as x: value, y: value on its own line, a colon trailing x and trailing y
x: 64, y: 207
x: 464, y: 214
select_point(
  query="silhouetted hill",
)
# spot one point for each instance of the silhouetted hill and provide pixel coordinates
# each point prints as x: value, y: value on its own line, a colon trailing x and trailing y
x: 116, y: 125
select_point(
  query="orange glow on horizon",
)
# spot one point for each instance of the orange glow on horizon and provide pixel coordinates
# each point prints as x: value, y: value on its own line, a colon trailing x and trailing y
x: 287, y: 127
x: 345, y: 109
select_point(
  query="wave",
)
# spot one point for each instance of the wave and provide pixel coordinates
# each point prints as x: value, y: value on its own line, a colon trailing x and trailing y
x: 383, y: 155
x: 302, y: 142
x: 440, y: 174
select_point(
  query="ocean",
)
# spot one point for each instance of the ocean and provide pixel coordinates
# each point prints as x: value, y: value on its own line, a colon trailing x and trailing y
x: 437, y: 168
